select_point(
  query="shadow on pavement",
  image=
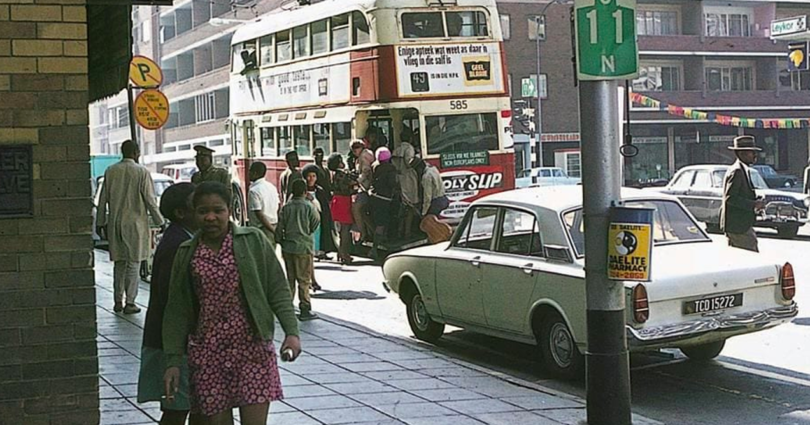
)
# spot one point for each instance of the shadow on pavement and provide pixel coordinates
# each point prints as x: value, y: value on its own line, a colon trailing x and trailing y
x: 347, y: 295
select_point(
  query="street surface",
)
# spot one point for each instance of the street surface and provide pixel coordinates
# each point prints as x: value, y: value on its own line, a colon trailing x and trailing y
x: 761, y: 378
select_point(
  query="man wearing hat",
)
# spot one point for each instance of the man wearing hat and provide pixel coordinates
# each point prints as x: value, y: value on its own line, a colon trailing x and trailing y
x: 207, y: 172
x: 740, y: 202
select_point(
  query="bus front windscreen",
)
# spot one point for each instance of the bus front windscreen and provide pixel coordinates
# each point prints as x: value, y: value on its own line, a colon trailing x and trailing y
x: 461, y: 133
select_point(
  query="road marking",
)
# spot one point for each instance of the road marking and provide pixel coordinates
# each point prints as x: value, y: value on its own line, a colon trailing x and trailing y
x: 766, y: 374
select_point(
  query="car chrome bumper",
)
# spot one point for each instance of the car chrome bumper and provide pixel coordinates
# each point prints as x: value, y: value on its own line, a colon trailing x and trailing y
x: 727, y: 325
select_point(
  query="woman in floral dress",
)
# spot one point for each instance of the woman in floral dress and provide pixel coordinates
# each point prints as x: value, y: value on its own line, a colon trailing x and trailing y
x: 227, y: 287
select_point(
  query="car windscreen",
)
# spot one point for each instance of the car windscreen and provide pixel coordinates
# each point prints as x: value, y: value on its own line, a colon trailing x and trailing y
x: 671, y: 224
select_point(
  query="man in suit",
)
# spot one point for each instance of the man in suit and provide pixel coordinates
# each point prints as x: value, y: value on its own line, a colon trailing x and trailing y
x: 740, y: 202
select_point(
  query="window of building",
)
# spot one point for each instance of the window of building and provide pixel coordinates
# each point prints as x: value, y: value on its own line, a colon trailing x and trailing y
x: 300, y: 41
x: 509, y: 83
x: 268, y: 141
x: 360, y: 31
x: 283, y: 46
x: 340, y: 32
x: 205, y: 107
x: 532, y: 25
x: 302, y: 136
x: 792, y: 80
x: 462, y: 133
x: 320, y: 37
x: 342, y: 132
x: 123, y: 116
x: 543, y: 84
x: 422, y: 25
x: 728, y: 24
x: 729, y: 78
x: 467, y: 24
x: 657, y: 22
x: 506, y: 27
x: 573, y: 164
x: 658, y: 78
x: 266, y: 50
x: 284, y: 140
x: 216, y: 142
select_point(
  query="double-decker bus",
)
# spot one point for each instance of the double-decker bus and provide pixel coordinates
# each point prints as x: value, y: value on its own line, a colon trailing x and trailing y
x: 428, y: 70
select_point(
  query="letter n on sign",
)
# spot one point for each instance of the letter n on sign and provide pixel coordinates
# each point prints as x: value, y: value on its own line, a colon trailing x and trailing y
x: 16, y: 181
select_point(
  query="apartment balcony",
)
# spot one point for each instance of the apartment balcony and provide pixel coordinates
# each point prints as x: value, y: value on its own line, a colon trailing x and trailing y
x: 762, y: 103
x: 206, y: 81
x: 195, y: 131
x: 687, y: 44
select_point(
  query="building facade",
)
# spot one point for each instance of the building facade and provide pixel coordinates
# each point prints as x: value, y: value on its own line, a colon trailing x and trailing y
x: 706, y: 56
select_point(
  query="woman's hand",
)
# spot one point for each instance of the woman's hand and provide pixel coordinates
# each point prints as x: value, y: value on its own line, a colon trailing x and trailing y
x: 293, y: 343
x: 171, y: 382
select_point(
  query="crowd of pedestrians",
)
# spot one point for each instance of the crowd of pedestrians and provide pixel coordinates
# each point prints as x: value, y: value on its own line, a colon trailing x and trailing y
x: 217, y: 288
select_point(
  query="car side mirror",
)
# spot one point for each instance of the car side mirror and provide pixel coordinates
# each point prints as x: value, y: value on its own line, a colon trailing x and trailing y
x: 558, y: 253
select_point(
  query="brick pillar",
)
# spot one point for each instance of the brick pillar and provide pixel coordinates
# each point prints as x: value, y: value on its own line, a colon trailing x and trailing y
x: 48, y: 358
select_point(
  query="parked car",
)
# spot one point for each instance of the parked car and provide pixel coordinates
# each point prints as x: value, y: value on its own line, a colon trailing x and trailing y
x: 545, y: 176
x: 774, y: 180
x: 515, y: 269
x: 180, y: 172
x: 161, y: 182
x: 700, y: 188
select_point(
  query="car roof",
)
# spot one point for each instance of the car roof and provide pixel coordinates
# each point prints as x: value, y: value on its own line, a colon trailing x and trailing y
x: 705, y: 167
x: 559, y: 198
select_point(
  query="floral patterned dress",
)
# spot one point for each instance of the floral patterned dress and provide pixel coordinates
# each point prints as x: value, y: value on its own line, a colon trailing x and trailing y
x: 230, y: 366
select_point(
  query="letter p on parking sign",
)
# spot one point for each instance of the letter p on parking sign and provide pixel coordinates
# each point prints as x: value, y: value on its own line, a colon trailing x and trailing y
x: 144, y: 73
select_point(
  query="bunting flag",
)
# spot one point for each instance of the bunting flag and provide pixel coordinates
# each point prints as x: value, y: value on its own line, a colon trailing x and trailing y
x: 776, y: 123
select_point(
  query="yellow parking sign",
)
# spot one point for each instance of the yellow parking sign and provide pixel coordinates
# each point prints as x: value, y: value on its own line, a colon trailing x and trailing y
x: 144, y: 73
x: 630, y: 244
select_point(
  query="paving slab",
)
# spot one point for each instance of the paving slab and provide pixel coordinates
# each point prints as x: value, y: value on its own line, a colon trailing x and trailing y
x: 448, y: 394
x: 308, y: 404
x: 349, y: 415
x: 414, y: 410
x: 378, y: 400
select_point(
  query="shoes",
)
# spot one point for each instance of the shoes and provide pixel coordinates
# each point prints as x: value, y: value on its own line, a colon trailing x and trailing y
x: 347, y: 260
x: 307, y: 315
x: 316, y: 287
x: 118, y: 307
x: 132, y: 309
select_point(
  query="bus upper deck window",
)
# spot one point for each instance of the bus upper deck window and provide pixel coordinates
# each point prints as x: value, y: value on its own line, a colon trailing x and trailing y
x: 283, y: 47
x: 300, y: 41
x: 360, y: 31
x: 266, y: 53
x: 422, y: 25
x: 466, y: 24
x: 340, y: 32
x: 320, y: 37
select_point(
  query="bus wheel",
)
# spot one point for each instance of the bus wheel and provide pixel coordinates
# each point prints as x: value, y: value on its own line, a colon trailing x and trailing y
x: 238, y: 207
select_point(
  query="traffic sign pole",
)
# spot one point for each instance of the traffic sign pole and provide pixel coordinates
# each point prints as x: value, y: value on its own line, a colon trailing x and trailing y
x: 606, y: 52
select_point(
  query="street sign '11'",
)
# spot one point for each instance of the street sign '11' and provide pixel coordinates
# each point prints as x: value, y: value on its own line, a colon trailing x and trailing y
x: 607, y: 48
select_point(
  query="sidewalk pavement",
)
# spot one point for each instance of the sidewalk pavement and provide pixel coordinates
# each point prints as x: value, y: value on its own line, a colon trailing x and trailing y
x: 346, y: 375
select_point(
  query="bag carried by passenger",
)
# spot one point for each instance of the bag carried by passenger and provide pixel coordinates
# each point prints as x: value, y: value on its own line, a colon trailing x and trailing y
x: 436, y: 230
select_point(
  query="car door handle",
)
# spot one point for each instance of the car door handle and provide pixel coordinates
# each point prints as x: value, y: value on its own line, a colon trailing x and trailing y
x: 528, y: 269
x: 476, y: 261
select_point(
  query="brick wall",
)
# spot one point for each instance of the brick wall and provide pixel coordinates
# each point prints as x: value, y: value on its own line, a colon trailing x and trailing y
x: 48, y: 360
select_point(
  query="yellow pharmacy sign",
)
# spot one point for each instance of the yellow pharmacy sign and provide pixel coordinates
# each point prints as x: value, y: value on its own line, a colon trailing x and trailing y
x: 629, y: 249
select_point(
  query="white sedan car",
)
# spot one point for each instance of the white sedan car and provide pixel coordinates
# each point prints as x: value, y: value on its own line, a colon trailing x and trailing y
x: 515, y: 269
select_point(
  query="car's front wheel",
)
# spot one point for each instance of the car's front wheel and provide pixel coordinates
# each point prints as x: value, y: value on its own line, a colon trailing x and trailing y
x: 704, y: 352
x: 560, y: 355
x: 422, y: 325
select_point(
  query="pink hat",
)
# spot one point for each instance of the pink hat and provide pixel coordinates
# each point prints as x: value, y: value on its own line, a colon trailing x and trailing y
x: 383, y: 154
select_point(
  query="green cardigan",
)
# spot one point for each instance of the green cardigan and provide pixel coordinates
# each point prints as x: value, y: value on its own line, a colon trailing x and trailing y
x: 263, y: 285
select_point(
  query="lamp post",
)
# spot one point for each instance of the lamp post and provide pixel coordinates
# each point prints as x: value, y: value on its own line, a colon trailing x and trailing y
x: 540, y: 35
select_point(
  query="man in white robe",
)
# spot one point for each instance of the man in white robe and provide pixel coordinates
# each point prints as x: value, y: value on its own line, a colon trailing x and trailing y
x: 129, y: 192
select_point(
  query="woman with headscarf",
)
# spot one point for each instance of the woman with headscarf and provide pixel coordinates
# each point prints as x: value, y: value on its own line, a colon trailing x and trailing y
x: 324, y: 236
x: 344, y: 185
x: 384, y: 189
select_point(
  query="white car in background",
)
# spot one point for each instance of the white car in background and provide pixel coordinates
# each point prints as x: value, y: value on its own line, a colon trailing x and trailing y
x: 515, y: 269
x: 544, y: 176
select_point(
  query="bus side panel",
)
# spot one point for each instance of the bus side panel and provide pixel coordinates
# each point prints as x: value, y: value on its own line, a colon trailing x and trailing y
x: 463, y: 185
x: 388, y: 73
x: 365, y: 69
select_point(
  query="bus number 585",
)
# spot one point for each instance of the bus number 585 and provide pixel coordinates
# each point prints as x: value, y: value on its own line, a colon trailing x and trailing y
x: 458, y: 104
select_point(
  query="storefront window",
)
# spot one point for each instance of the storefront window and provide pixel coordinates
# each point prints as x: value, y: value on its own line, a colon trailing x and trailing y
x: 651, y: 162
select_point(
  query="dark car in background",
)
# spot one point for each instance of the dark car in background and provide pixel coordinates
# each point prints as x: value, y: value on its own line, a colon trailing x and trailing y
x: 700, y: 188
x: 774, y: 180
